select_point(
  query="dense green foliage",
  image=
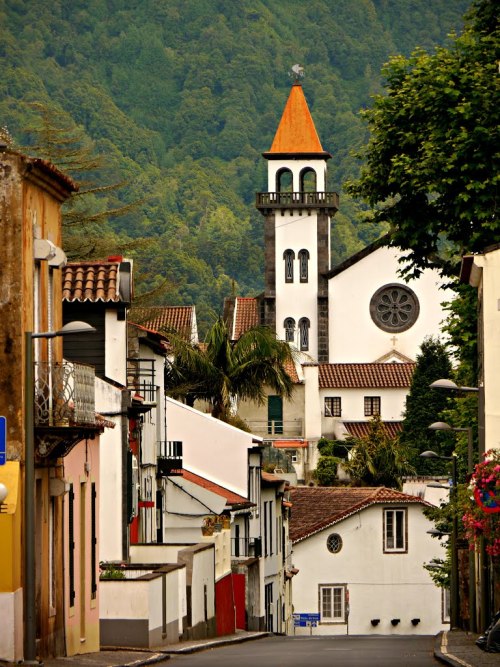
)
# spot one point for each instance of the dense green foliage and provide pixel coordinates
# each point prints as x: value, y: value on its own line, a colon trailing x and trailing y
x: 432, y: 162
x: 424, y: 406
x: 378, y: 459
x: 222, y: 371
x: 182, y: 96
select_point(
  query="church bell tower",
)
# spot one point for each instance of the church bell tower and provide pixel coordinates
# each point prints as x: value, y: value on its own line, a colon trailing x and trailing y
x: 297, y: 209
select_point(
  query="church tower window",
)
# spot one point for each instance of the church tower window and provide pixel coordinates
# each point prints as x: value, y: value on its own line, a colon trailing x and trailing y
x: 289, y: 325
x: 289, y: 257
x: 308, y: 180
x: 304, y: 265
x: 284, y: 180
x: 304, y: 325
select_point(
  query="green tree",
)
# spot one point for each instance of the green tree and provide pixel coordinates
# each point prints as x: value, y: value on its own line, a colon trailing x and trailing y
x: 425, y: 405
x: 222, y: 371
x: 377, y: 459
x: 332, y: 453
x: 432, y: 162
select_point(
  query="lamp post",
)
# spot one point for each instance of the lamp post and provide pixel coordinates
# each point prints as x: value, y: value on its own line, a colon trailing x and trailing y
x: 29, y: 484
x: 454, y: 593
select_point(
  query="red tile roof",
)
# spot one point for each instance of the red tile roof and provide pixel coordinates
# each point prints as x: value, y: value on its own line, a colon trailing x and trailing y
x: 316, y: 508
x: 270, y: 479
x: 179, y: 319
x: 362, y: 429
x: 90, y: 281
x: 246, y: 315
x: 296, y: 132
x: 377, y: 376
x: 231, y: 497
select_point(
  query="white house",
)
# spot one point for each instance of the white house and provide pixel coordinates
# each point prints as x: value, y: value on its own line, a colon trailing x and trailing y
x: 360, y: 554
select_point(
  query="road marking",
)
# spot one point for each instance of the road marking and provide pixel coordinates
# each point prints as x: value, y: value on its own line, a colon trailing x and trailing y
x: 444, y: 650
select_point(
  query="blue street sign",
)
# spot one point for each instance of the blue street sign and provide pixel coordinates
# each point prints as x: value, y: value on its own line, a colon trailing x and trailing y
x: 306, y: 620
x: 3, y: 440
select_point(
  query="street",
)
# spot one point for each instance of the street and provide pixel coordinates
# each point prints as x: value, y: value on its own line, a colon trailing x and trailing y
x: 317, y: 652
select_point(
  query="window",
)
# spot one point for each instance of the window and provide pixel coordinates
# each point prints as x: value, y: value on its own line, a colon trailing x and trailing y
x: 304, y: 265
x: 332, y: 605
x: 289, y: 257
x: 334, y: 543
x: 372, y: 406
x: 294, y: 455
x: 284, y: 181
x: 307, y: 180
x: 333, y: 406
x: 304, y: 333
x: 289, y: 325
x: 395, y: 530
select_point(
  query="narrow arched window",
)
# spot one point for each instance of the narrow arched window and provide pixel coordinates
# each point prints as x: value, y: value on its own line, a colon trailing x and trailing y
x: 307, y: 180
x: 289, y: 257
x: 304, y: 325
x: 284, y: 180
x: 304, y: 265
x: 289, y: 325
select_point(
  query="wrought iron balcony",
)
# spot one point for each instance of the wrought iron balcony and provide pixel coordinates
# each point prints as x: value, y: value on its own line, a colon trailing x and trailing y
x: 64, y: 394
x: 275, y: 428
x: 268, y: 201
x: 169, y: 458
x: 141, y: 378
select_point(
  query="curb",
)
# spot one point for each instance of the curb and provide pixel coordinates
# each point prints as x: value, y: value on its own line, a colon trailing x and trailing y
x: 441, y: 652
x: 195, y: 648
x: 156, y: 657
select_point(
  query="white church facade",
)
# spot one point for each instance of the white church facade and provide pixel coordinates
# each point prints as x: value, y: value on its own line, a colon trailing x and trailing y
x: 348, y: 323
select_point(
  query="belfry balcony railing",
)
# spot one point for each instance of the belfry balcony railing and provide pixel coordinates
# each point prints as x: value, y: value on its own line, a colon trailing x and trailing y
x: 64, y: 394
x: 298, y: 200
x: 169, y: 458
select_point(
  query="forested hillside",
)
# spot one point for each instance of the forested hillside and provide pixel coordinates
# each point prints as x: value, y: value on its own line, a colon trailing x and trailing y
x: 180, y: 98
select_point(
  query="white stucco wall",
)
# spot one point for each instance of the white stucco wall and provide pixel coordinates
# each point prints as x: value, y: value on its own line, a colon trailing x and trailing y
x: 353, y: 336
x: 108, y: 400
x: 381, y: 586
x: 296, y: 166
x: 486, y: 276
x: 210, y: 448
x: 116, y: 347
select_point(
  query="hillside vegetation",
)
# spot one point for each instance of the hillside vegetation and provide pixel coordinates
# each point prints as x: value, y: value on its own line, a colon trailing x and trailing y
x: 180, y: 98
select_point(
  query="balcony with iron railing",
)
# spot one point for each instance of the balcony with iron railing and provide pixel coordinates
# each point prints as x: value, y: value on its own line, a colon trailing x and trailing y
x: 277, y: 428
x: 245, y: 547
x: 141, y: 378
x: 64, y: 405
x: 169, y: 458
x: 327, y: 201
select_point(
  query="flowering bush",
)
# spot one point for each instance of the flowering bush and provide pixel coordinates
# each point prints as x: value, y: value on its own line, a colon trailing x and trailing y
x: 482, y: 510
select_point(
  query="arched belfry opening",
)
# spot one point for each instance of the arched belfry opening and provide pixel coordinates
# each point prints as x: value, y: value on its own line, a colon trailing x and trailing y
x: 308, y: 181
x: 284, y: 180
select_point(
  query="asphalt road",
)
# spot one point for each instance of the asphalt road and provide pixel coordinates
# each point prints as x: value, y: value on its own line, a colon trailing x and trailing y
x: 317, y: 652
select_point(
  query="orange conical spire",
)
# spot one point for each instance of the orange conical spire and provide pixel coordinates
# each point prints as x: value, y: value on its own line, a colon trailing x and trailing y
x: 296, y: 132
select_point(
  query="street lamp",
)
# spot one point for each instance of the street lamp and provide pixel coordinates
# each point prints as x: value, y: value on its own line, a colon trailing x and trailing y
x: 29, y: 483
x: 443, y: 426
x: 454, y: 594
x: 450, y: 385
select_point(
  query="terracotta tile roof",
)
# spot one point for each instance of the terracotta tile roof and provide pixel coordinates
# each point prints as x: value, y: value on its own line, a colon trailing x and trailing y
x: 316, y: 508
x: 377, y: 376
x: 179, y: 319
x: 290, y: 444
x: 296, y: 132
x: 361, y: 429
x: 270, y: 479
x: 246, y: 315
x: 91, y: 281
x: 231, y: 497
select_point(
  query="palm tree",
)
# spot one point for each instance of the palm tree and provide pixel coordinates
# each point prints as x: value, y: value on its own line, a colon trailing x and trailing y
x: 222, y: 371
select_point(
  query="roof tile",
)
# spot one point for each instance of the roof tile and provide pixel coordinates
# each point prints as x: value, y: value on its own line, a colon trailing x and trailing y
x: 296, y: 132
x: 231, y: 497
x: 362, y: 429
x: 375, y: 375
x: 246, y: 315
x: 91, y: 281
x: 317, y: 508
x: 164, y: 319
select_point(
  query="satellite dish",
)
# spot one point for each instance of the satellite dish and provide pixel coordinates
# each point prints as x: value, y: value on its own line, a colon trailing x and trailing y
x: 297, y: 72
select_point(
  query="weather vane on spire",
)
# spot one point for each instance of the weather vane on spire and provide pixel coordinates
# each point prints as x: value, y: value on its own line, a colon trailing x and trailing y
x: 297, y: 73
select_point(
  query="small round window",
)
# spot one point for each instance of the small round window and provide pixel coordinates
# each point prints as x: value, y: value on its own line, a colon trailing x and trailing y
x: 334, y: 543
x: 394, y: 308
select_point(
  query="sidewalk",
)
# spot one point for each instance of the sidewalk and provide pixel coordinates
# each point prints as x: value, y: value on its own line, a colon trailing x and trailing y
x: 120, y: 657
x: 458, y: 648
